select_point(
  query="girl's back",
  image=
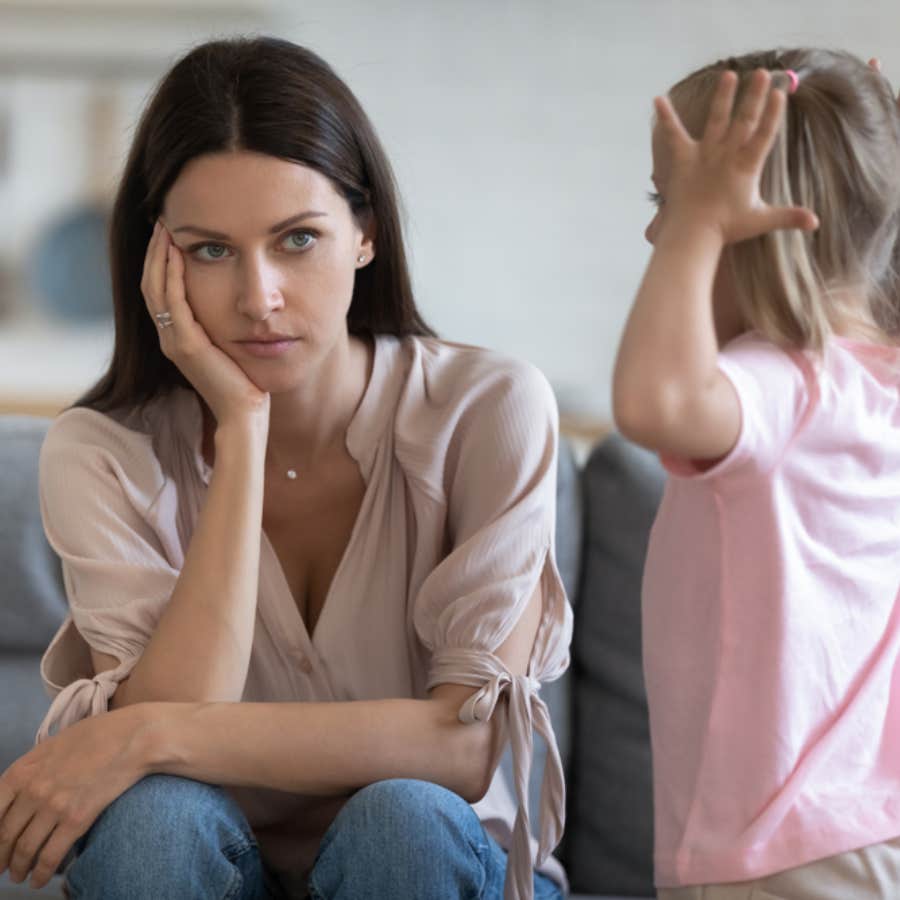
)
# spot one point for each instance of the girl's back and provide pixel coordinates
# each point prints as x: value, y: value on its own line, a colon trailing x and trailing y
x: 770, y: 623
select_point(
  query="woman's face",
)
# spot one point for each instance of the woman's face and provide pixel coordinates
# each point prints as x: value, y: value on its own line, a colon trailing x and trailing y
x: 270, y: 250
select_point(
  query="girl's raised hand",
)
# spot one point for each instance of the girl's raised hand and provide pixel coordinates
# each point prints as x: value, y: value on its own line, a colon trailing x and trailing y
x: 714, y: 182
x: 221, y: 382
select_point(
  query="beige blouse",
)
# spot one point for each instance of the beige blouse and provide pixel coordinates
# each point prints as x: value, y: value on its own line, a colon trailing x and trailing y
x: 457, y: 448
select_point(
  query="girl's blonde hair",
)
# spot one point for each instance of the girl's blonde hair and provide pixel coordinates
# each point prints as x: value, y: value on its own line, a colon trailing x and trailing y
x: 838, y: 154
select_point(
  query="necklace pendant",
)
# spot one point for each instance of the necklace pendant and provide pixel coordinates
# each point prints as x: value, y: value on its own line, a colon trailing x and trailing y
x: 292, y: 474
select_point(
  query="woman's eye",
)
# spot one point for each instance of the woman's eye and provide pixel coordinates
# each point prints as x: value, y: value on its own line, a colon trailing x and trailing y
x: 299, y: 240
x: 209, y: 252
x: 655, y: 198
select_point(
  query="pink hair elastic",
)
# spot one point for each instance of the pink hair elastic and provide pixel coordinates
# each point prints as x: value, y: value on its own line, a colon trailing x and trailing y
x: 794, y: 79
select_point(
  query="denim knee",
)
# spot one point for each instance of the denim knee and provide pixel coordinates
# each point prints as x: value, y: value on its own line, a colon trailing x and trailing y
x: 168, y: 837
x: 402, y: 838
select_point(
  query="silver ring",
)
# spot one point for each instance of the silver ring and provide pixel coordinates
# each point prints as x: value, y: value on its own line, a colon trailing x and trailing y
x: 164, y: 319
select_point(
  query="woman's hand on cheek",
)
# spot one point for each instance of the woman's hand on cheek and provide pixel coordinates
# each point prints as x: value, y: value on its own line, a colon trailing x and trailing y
x: 53, y: 794
x: 219, y: 379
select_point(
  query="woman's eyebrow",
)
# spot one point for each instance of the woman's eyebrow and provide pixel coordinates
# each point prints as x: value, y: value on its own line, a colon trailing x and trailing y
x: 221, y: 236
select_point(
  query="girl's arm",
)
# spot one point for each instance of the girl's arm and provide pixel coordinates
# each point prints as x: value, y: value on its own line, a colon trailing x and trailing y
x: 668, y: 393
x: 53, y: 794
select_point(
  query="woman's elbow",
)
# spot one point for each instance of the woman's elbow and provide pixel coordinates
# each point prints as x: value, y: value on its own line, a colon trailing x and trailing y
x: 475, y: 761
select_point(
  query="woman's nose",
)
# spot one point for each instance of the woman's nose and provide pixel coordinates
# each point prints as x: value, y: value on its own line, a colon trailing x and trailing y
x: 260, y: 290
x: 651, y: 229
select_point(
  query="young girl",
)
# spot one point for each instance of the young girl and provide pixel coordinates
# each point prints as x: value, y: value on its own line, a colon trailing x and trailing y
x: 761, y: 362
x: 308, y: 547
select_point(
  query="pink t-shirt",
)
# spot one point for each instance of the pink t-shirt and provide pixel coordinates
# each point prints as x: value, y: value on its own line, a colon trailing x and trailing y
x: 771, y: 623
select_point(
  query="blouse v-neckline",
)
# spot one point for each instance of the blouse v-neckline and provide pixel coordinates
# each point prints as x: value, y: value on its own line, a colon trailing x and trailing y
x: 365, y: 428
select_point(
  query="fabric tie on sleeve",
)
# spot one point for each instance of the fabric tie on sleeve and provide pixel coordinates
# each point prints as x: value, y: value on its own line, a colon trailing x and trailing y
x: 526, y: 712
x: 82, y: 698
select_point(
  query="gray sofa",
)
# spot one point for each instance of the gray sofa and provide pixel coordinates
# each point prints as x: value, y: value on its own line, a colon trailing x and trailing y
x: 599, y: 708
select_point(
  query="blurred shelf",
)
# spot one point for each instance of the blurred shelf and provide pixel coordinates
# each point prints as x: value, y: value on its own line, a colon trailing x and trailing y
x: 44, y: 366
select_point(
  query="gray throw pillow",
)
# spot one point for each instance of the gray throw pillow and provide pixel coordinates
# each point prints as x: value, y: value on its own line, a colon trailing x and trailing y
x: 609, y: 834
x: 32, y: 600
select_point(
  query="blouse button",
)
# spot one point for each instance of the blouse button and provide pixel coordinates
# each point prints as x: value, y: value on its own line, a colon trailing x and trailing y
x: 305, y: 666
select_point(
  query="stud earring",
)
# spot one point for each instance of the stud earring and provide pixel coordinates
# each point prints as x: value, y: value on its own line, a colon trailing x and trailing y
x: 361, y: 258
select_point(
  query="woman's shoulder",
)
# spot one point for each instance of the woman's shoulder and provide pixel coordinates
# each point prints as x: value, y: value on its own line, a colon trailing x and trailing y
x: 451, y: 376
x: 80, y: 428
x: 457, y: 400
x: 83, y: 440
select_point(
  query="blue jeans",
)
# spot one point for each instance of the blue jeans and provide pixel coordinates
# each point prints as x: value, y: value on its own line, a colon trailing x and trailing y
x: 180, y: 839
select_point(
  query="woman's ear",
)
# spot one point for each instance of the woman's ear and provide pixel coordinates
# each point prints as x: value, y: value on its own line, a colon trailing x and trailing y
x: 368, y: 227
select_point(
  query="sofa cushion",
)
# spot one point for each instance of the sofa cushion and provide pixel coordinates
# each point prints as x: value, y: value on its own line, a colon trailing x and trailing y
x: 33, y: 602
x: 609, y: 842
x: 22, y: 704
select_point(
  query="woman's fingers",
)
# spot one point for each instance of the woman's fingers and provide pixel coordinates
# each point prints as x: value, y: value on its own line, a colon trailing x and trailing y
x: 29, y: 845
x: 13, y: 823
x: 176, y: 301
x: 153, y: 278
x: 55, y: 849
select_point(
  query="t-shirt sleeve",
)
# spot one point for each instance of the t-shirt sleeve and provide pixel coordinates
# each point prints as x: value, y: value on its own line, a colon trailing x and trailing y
x: 501, y: 509
x: 100, y: 491
x: 776, y: 389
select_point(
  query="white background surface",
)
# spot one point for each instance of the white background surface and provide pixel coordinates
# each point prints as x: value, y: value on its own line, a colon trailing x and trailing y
x: 518, y: 131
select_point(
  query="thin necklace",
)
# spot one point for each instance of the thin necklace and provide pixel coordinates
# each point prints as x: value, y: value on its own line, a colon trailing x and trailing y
x: 290, y: 474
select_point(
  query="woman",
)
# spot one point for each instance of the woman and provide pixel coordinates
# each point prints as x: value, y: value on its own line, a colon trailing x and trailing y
x: 287, y: 492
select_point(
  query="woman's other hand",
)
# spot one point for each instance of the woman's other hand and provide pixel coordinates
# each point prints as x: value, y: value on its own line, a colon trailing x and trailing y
x: 219, y: 379
x: 52, y: 795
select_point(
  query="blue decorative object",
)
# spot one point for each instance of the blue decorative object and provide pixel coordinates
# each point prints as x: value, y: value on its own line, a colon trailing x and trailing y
x: 69, y: 268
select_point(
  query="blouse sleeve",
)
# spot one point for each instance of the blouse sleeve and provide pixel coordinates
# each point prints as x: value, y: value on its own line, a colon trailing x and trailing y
x: 500, y: 482
x: 101, y: 490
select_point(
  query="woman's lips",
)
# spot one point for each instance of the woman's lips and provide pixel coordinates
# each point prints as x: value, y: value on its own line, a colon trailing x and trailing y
x: 270, y: 348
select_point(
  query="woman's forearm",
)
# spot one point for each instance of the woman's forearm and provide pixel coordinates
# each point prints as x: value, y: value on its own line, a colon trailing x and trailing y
x: 200, y: 649
x: 321, y: 748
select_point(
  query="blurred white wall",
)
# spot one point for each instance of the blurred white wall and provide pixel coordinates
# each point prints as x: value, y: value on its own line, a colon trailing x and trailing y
x: 519, y: 133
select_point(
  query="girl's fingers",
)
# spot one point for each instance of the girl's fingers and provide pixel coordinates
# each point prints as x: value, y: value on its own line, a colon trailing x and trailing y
x: 720, y: 108
x: 669, y: 121
x: 789, y: 217
x: 750, y: 108
x: 760, y: 143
